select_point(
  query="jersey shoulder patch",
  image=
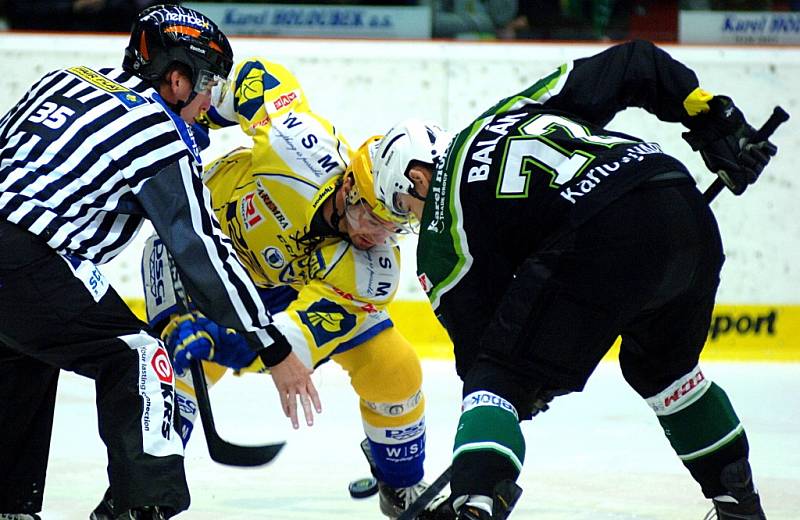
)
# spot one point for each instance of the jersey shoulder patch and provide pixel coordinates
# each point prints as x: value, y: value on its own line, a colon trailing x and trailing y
x: 252, y: 81
x: 126, y: 96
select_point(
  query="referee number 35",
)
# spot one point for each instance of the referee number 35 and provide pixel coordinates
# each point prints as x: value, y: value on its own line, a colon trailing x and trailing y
x: 51, y: 115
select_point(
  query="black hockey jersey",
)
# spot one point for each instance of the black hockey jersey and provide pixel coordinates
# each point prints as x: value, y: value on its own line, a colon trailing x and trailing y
x: 536, y: 165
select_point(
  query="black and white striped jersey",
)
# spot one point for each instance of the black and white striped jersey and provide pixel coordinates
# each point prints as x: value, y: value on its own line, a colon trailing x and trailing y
x: 86, y: 156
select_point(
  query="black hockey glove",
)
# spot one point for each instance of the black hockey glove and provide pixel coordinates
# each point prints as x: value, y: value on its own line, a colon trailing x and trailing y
x: 722, y: 136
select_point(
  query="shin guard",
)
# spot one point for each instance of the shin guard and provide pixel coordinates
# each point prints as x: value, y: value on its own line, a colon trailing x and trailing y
x: 702, y: 427
x: 489, y: 446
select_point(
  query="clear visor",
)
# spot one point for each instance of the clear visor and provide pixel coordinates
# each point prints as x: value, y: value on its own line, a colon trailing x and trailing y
x: 362, y: 219
x: 206, y: 81
x: 400, y: 215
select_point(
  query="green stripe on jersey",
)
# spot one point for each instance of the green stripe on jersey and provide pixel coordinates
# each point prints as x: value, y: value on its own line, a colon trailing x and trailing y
x: 546, y: 87
x: 490, y: 428
x: 703, y: 427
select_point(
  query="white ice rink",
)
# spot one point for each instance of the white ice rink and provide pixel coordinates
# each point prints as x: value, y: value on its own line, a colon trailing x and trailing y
x: 596, y: 455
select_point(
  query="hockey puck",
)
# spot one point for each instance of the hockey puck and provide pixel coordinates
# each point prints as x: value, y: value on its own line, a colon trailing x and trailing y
x: 363, y: 487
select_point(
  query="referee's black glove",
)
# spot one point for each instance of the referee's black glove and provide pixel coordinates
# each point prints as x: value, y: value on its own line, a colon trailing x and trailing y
x: 722, y: 136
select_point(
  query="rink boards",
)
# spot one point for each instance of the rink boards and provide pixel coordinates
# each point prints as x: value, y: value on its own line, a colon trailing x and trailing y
x: 737, y: 332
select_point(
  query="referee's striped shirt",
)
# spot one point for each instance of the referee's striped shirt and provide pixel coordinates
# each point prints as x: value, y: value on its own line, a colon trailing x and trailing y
x: 86, y: 155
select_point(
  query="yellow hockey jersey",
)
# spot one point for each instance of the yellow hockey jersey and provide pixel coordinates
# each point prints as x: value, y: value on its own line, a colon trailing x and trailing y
x: 265, y: 198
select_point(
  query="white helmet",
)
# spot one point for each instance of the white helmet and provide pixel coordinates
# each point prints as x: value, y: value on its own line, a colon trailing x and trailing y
x: 408, y: 142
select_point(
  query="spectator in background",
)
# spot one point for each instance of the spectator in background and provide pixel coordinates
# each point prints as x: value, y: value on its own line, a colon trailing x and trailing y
x: 570, y: 20
x: 472, y: 18
x: 76, y: 15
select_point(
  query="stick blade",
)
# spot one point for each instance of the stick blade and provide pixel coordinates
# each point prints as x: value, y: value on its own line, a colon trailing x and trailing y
x: 220, y: 450
x: 229, y: 454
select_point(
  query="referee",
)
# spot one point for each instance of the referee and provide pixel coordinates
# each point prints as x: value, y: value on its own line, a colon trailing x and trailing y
x: 85, y: 156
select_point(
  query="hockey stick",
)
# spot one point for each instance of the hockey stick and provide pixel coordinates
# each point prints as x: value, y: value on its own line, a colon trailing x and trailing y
x: 219, y: 449
x: 422, y: 501
x: 778, y: 117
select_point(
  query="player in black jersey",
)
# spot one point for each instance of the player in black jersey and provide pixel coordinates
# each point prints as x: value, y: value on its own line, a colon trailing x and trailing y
x: 85, y: 156
x: 543, y: 236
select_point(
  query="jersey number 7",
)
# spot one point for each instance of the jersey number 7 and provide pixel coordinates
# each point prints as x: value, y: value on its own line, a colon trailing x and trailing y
x: 533, y: 150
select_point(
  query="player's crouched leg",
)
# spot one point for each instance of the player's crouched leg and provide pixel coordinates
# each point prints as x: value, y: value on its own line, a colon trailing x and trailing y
x: 489, y: 447
x: 708, y: 437
x: 386, y: 373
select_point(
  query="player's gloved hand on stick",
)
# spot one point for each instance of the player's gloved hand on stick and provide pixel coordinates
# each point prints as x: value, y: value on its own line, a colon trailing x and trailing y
x: 724, y: 139
x: 193, y: 336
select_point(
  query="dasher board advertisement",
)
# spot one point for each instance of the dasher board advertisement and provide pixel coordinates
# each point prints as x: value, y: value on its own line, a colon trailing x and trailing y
x: 743, y: 27
x: 345, y: 21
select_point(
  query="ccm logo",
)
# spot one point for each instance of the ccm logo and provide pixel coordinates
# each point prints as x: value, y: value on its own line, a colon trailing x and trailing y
x: 684, y: 389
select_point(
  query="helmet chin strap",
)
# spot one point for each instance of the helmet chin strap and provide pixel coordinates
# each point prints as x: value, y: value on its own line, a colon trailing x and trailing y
x: 414, y: 193
x: 336, y: 217
x: 180, y: 105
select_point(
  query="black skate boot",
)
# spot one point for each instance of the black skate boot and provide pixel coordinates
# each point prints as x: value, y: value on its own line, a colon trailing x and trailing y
x: 473, y: 513
x: 145, y: 513
x: 506, y: 494
x: 105, y: 511
x: 393, y: 501
x: 19, y: 516
x: 742, y: 501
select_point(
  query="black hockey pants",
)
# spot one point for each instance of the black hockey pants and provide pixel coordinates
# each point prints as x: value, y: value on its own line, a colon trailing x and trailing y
x: 50, y: 319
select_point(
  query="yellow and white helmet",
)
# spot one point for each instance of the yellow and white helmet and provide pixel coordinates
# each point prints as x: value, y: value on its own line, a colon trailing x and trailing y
x: 363, y: 190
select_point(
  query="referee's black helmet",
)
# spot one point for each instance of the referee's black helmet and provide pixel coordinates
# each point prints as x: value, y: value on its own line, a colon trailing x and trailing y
x: 165, y: 34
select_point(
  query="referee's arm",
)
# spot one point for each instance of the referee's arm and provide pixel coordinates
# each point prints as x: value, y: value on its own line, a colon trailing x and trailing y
x: 178, y: 205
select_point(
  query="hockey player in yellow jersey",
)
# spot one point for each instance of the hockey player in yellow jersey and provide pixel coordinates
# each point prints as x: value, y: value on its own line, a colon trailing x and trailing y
x: 300, y: 211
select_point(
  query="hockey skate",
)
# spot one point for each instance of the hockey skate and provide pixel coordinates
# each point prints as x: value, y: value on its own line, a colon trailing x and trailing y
x: 742, y: 501
x: 393, y: 501
x: 473, y: 513
x: 506, y: 494
x: 105, y: 511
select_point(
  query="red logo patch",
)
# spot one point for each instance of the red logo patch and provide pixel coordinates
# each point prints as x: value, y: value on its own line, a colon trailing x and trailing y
x: 687, y: 387
x: 161, y: 365
x: 425, y: 282
x: 250, y: 214
x: 285, y: 100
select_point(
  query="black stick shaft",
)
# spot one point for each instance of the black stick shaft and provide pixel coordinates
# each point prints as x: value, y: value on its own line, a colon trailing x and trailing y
x: 429, y: 494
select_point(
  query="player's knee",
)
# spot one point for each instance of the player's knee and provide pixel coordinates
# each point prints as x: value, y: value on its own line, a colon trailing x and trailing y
x: 527, y: 397
x: 648, y: 378
x: 385, y: 369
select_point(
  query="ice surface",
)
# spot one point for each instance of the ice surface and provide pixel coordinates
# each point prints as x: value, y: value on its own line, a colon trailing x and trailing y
x: 600, y: 454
